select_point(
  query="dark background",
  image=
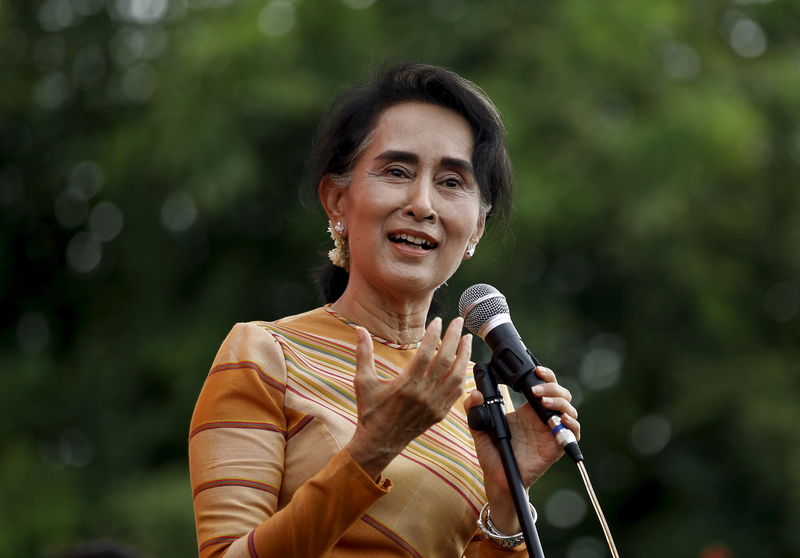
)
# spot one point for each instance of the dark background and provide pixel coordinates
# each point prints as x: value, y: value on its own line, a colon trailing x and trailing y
x: 150, y: 154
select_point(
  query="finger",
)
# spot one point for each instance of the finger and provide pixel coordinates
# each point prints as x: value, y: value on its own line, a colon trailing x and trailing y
x: 482, y: 439
x: 561, y: 405
x: 473, y: 399
x: 573, y: 425
x: 365, y: 360
x: 447, y: 353
x: 546, y: 374
x: 551, y: 389
x: 451, y: 386
x: 458, y: 368
x: 426, y: 351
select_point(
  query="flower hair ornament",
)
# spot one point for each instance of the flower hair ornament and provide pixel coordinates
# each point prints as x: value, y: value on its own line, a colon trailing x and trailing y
x: 340, y: 255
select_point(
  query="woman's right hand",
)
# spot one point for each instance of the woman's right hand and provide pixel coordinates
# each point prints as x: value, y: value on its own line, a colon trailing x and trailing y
x: 391, y: 413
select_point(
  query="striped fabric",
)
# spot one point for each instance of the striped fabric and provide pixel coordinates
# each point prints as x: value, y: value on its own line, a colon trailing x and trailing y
x: 269, y: 475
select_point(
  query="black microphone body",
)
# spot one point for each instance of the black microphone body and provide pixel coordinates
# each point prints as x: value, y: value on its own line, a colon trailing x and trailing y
x: 515, y: 364
x: 512, y: 362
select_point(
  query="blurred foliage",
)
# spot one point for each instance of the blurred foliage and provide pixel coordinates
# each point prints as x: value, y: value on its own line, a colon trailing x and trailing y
x: 150, y: 154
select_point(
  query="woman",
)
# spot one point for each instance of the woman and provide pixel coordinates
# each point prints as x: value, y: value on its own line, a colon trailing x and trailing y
x: 342, y: 431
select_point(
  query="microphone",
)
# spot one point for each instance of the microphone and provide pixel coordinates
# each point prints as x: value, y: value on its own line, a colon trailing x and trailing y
x: 486, y: 314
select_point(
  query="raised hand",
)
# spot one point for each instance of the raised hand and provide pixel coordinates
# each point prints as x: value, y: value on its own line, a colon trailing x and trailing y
x: 391, y: 413
x: 534, y: 446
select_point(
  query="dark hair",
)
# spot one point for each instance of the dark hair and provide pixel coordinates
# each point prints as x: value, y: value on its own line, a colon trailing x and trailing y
x: 353, y: 115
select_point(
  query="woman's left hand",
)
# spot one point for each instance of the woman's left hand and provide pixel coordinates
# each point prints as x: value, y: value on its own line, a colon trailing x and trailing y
x: 534, y: 445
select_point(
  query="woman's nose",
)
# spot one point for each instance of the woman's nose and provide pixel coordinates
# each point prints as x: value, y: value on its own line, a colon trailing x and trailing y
x: 419, y: 204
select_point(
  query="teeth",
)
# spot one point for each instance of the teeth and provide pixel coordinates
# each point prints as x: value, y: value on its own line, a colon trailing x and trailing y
x: 412, y: 240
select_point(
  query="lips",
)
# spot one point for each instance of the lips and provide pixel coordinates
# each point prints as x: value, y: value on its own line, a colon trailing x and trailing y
x: 424, y: 243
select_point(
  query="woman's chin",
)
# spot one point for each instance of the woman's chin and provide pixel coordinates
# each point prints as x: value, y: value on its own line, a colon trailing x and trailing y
x: 399, y: 274
x: 416, y: 280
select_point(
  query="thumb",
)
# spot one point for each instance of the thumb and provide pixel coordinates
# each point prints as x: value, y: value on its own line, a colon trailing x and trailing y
x: 365, y: 360
x: 474, y: 399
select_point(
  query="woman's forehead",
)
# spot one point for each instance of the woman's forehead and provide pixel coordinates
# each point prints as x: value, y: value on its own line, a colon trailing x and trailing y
x: 423, y: 129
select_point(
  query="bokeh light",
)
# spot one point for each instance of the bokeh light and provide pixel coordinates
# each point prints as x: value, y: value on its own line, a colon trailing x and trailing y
x: 140, y: 11
x: 84, y: 253
x: 681, y: 61
x: 106, y: 221
x: 747, y: 38
x: 650, y: 434
x: 33, y: 332
x: 277, y: 18
x: 52, y: 91
x: 71, y: 208
x: 565, y: 508
x: 178, y: 212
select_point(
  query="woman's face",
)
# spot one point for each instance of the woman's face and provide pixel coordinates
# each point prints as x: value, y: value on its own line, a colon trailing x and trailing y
x: 412, y: 205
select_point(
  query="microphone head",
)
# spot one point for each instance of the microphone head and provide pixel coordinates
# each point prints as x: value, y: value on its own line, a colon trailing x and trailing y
x: 479, y: 304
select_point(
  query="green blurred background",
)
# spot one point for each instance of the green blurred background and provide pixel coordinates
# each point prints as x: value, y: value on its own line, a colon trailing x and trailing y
x: 150, y: 154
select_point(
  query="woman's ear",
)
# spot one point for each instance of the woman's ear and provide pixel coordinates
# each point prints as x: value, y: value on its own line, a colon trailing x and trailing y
x: 480, y: 228
x: 333, y: 198
x: 476, y: 236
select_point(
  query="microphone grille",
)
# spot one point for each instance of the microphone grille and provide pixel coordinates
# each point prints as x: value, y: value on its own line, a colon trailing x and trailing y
x: 479, y: 303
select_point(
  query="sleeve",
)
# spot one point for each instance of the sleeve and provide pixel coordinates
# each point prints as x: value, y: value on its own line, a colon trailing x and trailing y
x: 236, y: 448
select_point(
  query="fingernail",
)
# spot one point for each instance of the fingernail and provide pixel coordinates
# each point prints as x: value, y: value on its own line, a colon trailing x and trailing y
x: 537, y: 390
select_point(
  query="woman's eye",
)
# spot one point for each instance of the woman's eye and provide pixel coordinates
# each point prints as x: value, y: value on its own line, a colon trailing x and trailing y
x: 396, y: 172
x: 453, y: 182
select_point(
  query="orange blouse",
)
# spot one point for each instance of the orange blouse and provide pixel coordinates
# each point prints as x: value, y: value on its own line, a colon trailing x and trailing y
x: 271, y: 477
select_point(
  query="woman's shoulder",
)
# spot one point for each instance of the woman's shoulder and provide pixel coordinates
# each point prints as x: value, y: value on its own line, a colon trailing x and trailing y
x: 259, y: 336
x: 317, y: 323
x: 260, y: 345
x: 260, y: 328
x: 311, y: 327
x: 310, y: 317
x: 269, y: 343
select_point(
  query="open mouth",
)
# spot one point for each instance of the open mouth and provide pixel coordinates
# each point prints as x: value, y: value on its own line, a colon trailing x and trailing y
x: 411, y: 240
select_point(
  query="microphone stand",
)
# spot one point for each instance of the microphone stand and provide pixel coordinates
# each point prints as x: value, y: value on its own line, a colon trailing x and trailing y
x: 491, y: 418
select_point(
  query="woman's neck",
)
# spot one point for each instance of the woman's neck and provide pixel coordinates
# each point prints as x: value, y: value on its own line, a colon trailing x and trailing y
x: 398, y: 319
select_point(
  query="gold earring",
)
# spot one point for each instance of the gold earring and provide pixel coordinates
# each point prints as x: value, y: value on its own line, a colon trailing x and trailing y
x: 340, y: 255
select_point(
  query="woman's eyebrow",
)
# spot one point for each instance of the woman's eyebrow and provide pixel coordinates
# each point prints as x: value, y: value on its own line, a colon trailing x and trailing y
x: 458, y: 164
x: 407, y: 157
x: 393, y: 155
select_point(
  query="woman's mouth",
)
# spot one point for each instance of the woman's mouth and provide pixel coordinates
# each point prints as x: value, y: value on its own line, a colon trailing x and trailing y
x: 411, y: 240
